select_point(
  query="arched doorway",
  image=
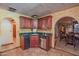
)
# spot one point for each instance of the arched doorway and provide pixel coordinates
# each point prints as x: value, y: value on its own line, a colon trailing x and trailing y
x: 8, y: 31
x: 64, y: 21
x: 62, y: 27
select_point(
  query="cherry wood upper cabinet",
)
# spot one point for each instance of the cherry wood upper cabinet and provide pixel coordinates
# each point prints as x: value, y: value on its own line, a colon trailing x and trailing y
x: 48, y: 22
x: 25, y: 22
x: 40, y: 22
x: 45, y: 22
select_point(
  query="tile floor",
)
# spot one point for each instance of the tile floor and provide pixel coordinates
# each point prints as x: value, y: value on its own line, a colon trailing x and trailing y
x: 60, y: 50
x: 35, y: 52
x: 8, y: 47
x: 69, y: 48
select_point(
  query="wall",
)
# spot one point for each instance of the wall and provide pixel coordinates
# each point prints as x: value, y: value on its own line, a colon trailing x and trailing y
x: 72, y: 12
x: 4, y: 14
x: 6, y: 32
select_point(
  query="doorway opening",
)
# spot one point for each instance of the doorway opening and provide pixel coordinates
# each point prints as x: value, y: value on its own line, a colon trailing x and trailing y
x: 8, y: 31
x: 64, y: 32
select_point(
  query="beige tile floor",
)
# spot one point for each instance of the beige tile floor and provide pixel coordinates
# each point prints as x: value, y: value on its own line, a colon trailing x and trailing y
x: 35, y: 52
x: 8, y: 47
x: 60, y: 50
x: 69, y: 48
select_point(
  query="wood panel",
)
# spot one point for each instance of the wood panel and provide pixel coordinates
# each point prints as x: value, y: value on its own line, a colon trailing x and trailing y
x: 34, y: 41
x: 22, y: 42
x: 48, y: 22
x: 40, y: 22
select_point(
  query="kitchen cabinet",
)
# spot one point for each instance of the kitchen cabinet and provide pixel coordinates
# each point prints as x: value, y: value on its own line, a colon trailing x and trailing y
x: 40, y: 22
x: 48, y: 22
x: 25, y: 22
x: 34, y: 41
x: 45, y: 22
x: 24, y: 40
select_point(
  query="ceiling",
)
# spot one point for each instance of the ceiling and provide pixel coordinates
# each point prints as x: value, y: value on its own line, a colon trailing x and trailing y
x: 39, y: 9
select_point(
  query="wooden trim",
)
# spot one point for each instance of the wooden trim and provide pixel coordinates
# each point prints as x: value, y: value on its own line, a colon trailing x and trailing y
x: 9, y: 49
x: 7, y: 44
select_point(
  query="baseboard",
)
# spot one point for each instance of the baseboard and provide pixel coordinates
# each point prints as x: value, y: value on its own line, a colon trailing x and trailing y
x: 10, y: 49
x: 6, y: 44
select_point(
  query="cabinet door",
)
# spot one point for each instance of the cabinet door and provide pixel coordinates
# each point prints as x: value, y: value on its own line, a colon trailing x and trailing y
x: 22, y: 22
x: 34, y: 41
x: 25, y: 22
x: 40, y: 22
x: 30, y: 22
x: 27, y: 40
x: 45, y: 22
x: 48, y: 22
x: 22, y: 42
x: 47, y: 43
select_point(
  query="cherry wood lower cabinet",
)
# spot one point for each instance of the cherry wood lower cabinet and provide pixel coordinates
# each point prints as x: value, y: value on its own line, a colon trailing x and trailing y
x: 41, y: 40
x: 24, y: 41
x: 34, y: 41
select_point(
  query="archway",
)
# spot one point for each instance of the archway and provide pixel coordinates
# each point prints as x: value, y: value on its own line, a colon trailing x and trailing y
x: 63, y: 21
x: 8, y: 31
x: 62, y: 27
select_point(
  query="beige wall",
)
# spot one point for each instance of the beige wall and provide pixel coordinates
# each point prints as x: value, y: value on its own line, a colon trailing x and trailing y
x: 4, y: 14
x: 72, y: 12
